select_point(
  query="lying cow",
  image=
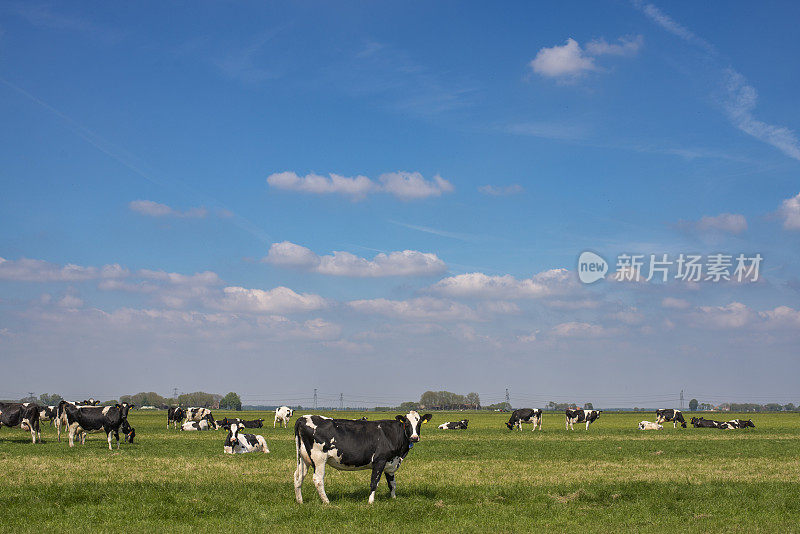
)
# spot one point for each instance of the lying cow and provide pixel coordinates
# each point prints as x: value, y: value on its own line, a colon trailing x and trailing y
x: 579, y: 415
x: 207, y: 423
x: 109, y: 419
x: 707, y: 423
x: 456, y: 425
x: 198, y: 414
x: 740, y: 423
x: 175, y: 415
x: 240, y: 443
x: 24, y: 415
x: 282, y: 416
x: 350, y: 445
x: 255, y: 423
x: 649, y: 425
x: 525, y: 415
x: 668, y: 414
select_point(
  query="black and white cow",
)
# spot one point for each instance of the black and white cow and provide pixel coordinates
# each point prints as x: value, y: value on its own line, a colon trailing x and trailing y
x: 198, y: 414
x: 668, y: 414
x: 206, y: 423
x: 454, y: 425
x: 47, y: 413
x: 579, y: 415
x: 282, y: 416
x: 240, y: 443
x: 22, y: 414
x: 109, y: 419
x: 175, y: 415
x: 350, y: 445
x: 649, y: 425
x: 255, y: 423
x: 707, y: 423
x: 226, y: 422
x: 525, y: 415
x: 740, y: 423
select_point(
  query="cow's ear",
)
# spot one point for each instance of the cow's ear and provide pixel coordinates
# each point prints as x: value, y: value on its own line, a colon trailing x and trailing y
x: 427, y: 417
x: 401, y: 418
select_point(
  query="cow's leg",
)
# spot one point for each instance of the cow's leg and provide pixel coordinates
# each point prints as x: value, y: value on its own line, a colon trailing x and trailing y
x: 319, y: 459
x: 377, y: 471
x: 674, y: 424
x: 392, y: 485
x: 72, y: 429
x: 587, y: 425
x: 299, y: 475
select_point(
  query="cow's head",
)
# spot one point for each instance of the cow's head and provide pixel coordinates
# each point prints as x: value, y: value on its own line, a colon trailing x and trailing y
x: 128, y: 430
x: 412, y: 424
x: 748, y: 423
x: 124, y: 408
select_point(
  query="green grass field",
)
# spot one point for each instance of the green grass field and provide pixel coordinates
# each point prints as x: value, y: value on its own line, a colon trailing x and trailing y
x: 613, y: 477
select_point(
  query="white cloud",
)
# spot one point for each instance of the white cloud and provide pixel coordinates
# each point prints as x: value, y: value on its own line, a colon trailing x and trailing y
x: 565, y: 61
x: 675, y: 303
x: 500, y: 190
x: 480, y: 285
x: 154, y: 209
x: 733, y: 315
x: 790, y: 212
x: 29, y: 270
x: 278, y: 300
x: 412, y: 185
x: 403, y: 185
x: 627, y: 46
x: 583, y: 304
x: 730, y: 223
x: 782, y: 316
x: 740, y: 105
x: 428, y: 308
x: 70, y: 301
x: 570, y: 61
x: 741, y: 97
x: 399, y: 263
x: 578, y: 330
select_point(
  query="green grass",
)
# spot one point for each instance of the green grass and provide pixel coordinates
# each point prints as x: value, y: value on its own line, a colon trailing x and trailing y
x: 611, y: 478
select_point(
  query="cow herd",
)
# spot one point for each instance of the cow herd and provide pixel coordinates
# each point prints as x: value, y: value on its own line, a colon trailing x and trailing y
x: 345, y: 444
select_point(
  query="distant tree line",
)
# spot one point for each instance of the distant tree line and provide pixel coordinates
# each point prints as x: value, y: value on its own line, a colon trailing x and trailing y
x: 447, y: 400
x: 561, y: 406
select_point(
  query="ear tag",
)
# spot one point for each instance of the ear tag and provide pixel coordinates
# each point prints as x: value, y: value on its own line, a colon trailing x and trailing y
x: 410, y: 444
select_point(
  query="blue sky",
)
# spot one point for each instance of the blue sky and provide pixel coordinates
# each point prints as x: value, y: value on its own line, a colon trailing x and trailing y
x: 177, y: 180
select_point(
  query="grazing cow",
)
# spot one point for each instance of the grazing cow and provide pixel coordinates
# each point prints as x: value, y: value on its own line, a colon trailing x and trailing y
x: 240, y: 443
x: 456, y: 425
x: 128, y: 431
x: 707, y: 423
x: 579, y: 415
x: 350, y: 445
x: 109, y: 419
x: 649, y: 425
x: 198, y: 414
x: 47, y: 413
x: 175, y: 415
x: 22, y: 414
x: 282, y: 416
x: 668, y: 414
x: 525, y: 415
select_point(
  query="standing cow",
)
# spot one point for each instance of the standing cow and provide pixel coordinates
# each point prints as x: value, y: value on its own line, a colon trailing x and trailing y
x: 175, y: 415
x: 24, y: 415
x: 282, y: 416
x: 109, y: 419
x: 350, y: 445
x: 579, y: 415
x: 668, y: 414
x: 525, y: 415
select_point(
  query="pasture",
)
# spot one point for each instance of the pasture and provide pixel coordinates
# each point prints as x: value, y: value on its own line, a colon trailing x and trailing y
x: 613, y: 477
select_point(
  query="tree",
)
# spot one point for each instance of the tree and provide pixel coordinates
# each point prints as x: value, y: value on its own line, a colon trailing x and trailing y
x: 474, y: 400
x: 231, y: 401
x: 588, y: 406
x: 693, y: 405
x: 200, y: 399
x: 46, y: 399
